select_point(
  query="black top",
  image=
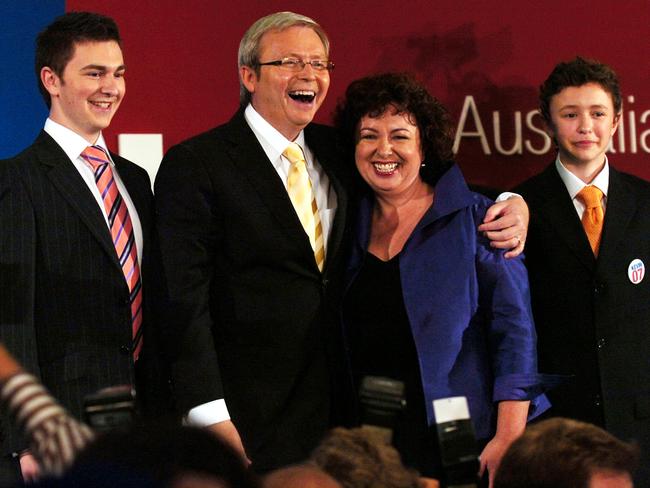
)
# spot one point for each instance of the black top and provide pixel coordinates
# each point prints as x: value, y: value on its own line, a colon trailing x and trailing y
x: 381, y: 344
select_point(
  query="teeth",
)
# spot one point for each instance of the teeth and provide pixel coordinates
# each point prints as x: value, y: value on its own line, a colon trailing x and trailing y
x: 102, y: 104
x: 305, y: 96
x: 385, y: 167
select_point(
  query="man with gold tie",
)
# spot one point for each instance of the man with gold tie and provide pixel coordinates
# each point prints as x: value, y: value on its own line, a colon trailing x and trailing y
x: 587, y: 248
x: 252, y: 217
x: 76, y: 247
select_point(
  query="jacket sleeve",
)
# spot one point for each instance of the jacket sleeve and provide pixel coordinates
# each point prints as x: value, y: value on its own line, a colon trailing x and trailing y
x: 188, y: 233
x: 504, y: 298
x: 17, y: 280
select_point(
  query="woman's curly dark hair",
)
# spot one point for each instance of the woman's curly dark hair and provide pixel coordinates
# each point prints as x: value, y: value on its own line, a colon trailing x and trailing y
x: 372, y: 95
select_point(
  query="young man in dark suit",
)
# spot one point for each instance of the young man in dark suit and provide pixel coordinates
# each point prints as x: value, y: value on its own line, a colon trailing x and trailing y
x: 253, y: 275
x: 586, y: 258
x: 76, y: 245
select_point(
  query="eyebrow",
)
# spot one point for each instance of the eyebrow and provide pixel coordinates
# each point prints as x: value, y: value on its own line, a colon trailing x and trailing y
x: 397, y: 129
x: 573, y: 106
x: 305, y: 56
x: 99, y: 67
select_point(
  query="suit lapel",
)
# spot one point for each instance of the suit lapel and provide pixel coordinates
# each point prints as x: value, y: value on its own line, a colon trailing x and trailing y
x: 561, y: 215
x: 619, y: 212
x: 65, y: 177
x: 250, y: 158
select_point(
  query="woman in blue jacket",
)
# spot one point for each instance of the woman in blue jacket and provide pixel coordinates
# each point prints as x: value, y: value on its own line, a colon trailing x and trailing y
x: 428, y: 301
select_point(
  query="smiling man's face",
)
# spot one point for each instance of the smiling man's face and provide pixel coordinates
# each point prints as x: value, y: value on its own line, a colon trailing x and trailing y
x: 288, y: 100
x: 89, y: 91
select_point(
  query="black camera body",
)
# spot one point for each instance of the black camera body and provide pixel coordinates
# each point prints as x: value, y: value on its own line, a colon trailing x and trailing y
x: 110, y: 408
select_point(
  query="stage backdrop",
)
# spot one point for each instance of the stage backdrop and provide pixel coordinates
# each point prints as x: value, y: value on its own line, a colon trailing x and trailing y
x: 483, y: 59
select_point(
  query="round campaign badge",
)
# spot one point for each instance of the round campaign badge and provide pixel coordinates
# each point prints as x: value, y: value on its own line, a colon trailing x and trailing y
x: 636, y: 271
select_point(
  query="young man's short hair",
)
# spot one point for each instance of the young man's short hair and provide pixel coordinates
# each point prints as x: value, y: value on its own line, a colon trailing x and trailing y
x: 563, y: 453
x: 55, y: 45
x: 578, y: 72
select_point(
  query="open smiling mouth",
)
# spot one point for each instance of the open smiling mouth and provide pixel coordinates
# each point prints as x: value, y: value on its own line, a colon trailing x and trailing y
x: 104, y: 105
x: 385, y: 168
x: 302, y: 96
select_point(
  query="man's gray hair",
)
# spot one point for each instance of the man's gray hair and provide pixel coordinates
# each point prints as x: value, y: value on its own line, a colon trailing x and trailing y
x: 249, y: 47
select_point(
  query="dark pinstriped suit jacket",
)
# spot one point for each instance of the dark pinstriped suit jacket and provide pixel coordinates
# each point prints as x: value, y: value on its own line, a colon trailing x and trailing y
x: 64, y: 307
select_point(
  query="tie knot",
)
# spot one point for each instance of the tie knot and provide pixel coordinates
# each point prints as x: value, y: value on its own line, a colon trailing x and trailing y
x: 294, y: 153
x: 591, y: 196
x: 95, y: 156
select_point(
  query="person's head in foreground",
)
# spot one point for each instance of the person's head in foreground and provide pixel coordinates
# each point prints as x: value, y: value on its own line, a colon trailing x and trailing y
x: 356, y: 459
x: 564, y: 453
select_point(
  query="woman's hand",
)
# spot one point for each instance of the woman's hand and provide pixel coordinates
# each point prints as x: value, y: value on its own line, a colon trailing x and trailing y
x: 492, y: 454
x: 511, y: 422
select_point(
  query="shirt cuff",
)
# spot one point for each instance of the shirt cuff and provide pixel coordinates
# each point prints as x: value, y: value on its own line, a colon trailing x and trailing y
x: 507, y: 194
x: 208, y: 414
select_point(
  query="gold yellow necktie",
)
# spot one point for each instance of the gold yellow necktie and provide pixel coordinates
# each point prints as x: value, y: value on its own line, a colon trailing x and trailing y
x: 304, y: 201
x: 593, y: 217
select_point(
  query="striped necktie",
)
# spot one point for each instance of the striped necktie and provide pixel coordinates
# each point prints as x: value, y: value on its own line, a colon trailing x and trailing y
x: 121, y: 228
x: 594, y: 216
x: 304, y: 201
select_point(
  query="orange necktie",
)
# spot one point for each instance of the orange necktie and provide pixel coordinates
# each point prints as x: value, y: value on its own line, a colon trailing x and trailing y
x: 122, y: 234
x: 594, y: 216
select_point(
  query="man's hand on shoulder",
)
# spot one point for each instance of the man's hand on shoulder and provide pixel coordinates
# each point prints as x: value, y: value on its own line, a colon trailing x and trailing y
x: 227, y: 432
x: 506, y: 225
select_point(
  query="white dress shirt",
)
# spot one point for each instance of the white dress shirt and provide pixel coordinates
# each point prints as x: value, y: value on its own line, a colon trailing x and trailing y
x: 273, y: 143
x: 574, y: 185
x: 73, y: 145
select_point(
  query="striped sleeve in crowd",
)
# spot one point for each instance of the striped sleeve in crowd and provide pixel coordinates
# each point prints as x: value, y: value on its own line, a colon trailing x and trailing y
x: 54, y: 436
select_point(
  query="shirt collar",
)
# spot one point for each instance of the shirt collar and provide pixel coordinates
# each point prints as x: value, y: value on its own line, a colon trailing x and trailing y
x: 574, y: 184
x: 272, y: 141
x: 71, y: 142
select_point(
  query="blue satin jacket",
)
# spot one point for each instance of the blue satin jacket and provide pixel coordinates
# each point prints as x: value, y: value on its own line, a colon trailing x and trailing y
x: 468, y: 307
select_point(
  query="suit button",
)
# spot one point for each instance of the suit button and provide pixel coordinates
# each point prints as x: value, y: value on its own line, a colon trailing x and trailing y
x: 599, y: 288
x: 597, y: 400
x: 601, y: 343
x: 125, y: 350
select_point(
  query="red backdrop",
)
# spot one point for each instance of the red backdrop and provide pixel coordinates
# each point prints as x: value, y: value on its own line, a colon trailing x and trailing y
x: 182, y: 65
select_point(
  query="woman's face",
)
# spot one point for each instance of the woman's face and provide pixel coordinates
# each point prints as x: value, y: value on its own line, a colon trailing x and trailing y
x: 388, y: 152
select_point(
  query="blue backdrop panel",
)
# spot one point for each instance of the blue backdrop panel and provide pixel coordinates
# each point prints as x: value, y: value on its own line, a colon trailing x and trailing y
x: 22, y: 110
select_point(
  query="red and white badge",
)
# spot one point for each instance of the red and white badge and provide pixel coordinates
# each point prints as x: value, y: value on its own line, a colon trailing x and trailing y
x: 636, y: 271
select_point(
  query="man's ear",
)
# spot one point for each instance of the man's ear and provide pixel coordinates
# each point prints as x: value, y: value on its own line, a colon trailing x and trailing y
x: 248, y: 78
x: 50, y: 80
x: 617, y: 120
